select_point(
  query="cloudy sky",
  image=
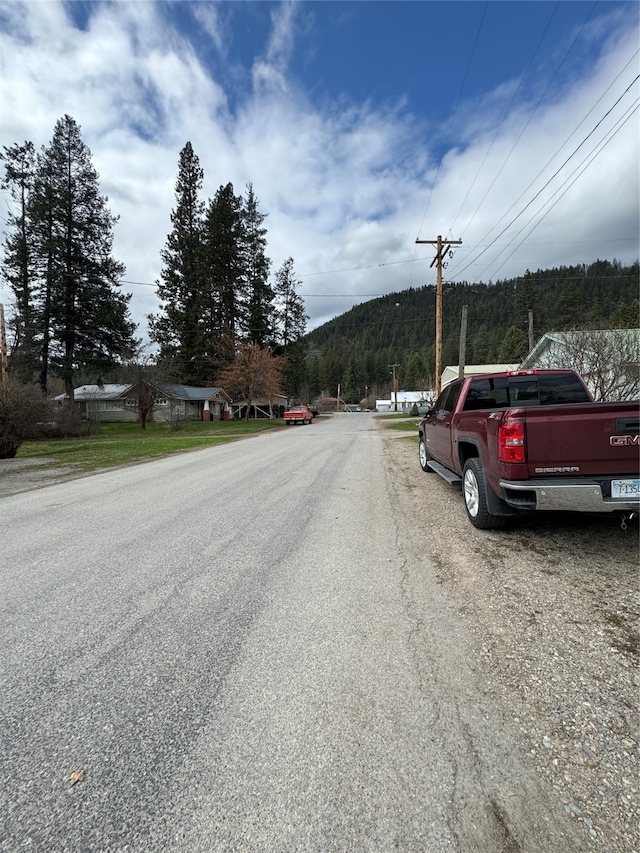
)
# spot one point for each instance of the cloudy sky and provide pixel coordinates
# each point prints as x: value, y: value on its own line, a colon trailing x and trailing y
x: 362, y: 125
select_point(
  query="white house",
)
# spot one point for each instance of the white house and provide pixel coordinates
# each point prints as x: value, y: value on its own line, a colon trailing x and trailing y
x: 406, y: 401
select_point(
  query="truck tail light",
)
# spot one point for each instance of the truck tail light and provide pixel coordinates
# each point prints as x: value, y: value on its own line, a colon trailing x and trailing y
x: 511, y: 446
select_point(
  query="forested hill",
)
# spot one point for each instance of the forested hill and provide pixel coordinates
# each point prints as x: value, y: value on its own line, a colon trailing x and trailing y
x: 357, y: 348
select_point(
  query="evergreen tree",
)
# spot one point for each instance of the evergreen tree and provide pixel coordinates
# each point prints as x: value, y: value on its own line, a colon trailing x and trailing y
x: 176, y: 328
x: 224, y: 277
x: 89, y: 322
x: 514, y: 346
x: 69, y: 311
x: 290, y: 327
x: 480, y: 346
x: 259, y: 294
x: 18, y: 264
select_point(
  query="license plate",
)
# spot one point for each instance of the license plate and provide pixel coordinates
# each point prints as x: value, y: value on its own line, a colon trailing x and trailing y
x: 625, y: 488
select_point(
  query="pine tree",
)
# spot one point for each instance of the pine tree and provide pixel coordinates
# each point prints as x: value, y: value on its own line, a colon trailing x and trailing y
x: 259, y: 293
x: 514, y: 346
x: 224, y: 278
x: 89, y: 317
x: 176, y: 328
x: 290, y: 327
x: 18, y: 264
x: 69, y: 312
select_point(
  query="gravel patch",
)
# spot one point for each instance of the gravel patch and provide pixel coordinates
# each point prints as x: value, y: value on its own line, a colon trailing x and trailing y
x: 553, y: 604
x: 24, y: 474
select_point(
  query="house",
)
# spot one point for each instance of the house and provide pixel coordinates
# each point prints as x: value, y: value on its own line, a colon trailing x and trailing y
x: 111, y: 403
x: 192, y: 404
x: 451, y: 372
x: 405, y: 401
x: 607, y: 359
x: 101, y: 402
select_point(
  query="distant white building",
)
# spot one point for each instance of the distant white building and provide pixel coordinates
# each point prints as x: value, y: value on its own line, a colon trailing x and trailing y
x: 406, y: 401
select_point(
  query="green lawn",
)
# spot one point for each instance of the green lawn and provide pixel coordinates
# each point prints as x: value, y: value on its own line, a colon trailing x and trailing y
x: 410, y: 425
x: 119, y: 444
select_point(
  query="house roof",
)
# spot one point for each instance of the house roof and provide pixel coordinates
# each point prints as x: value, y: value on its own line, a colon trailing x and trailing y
x: 96, y: 392
x: 113, y: 392
x: 189, y: 392
x: 450, y: 373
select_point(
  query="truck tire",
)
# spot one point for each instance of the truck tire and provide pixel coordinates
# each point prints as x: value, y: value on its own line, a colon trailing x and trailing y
x: 474, y: 490
x: 424, y: 456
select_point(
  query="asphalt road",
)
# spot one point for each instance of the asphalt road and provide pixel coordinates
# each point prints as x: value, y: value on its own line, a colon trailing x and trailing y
x: 228, y: 645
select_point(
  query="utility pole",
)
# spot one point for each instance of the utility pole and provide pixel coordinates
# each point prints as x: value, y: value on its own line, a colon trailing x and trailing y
x: 463, y: 341
x: 3, y: 349
x: 530, y: 330
x: 443, y: 248
x: 395, y: 386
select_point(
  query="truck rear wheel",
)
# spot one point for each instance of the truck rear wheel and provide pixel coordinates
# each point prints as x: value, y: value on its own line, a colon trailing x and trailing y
x: 474, y: 490
x: 424, y: 456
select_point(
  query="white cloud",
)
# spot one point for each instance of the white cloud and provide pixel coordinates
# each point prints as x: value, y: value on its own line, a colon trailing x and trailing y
x: 345, y: 186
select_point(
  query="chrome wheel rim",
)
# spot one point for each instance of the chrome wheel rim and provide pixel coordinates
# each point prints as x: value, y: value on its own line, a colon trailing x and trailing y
x: 423, y: 454
x: 471, y: 494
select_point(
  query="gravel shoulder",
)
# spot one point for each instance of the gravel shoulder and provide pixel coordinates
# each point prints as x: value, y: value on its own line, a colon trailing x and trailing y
x: 552, y: 604
x: 24, y: 474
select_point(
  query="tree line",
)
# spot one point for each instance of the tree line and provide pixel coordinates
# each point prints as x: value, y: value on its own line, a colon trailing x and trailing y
x: 358, y: 348
x: 70, y: 319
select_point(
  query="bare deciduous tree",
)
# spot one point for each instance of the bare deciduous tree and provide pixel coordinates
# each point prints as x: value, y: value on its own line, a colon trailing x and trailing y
x: 607, y: 359
x: 254, y: 373
x: 146, y: 387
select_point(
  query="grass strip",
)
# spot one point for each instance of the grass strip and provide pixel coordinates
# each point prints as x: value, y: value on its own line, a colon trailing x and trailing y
x: 120, y: 444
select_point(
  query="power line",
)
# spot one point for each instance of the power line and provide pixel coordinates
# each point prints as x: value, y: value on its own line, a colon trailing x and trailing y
x: 502, y: 121
x: 414, y: 260
x: 593, y: 155
x: 555, y: 174
x: 531, y: 116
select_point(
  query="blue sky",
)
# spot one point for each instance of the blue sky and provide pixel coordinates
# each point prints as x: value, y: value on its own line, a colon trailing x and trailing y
x: 361, y: 125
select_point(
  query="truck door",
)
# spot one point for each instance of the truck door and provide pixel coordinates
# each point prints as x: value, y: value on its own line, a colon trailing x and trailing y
x: 442, y: 422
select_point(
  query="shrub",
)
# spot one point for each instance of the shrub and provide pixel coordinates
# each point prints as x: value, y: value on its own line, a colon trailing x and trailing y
x: 23, y: 411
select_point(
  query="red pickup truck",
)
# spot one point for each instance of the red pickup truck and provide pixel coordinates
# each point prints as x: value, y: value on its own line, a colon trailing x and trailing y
x: 532, y: 440
x: 298, y: 415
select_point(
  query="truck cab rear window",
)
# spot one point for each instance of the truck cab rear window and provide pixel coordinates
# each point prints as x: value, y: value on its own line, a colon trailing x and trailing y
x: 561, y: 388
x: 502, y: 392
